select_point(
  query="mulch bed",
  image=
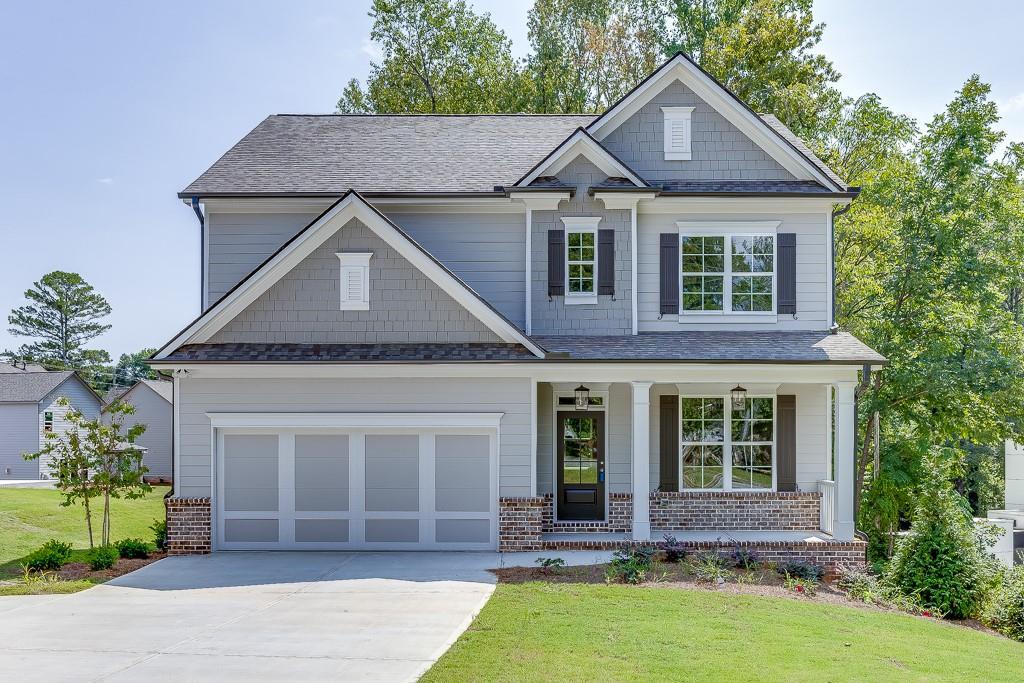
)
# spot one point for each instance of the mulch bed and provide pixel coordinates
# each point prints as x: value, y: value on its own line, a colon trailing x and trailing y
x: 74, y: 571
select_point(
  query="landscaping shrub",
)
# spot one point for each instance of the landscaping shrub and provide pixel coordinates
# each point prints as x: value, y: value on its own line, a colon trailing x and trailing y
x: 133, y: 548
x: 710, y: 567
x: 800, y: 585
x: 744, y: 558
x: 1006, y: 611
x: 675, y: 550
x: 941, y: 561
x: 630, y: 564
x: 102, y: 557
x: 51, y: 556
x: 159, y: 528
x: 808, y: 571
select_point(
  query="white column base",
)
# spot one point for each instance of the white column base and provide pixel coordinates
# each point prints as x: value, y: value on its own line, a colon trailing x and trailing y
x: 641, y: 461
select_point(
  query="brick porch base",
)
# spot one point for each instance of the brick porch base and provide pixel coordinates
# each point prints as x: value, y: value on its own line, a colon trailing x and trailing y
x: 188, y: 526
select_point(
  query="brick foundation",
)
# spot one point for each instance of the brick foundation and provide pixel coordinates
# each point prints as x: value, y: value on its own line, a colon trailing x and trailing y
x: 188, y: 526
x: 714, y: 511
x: 520, y: 523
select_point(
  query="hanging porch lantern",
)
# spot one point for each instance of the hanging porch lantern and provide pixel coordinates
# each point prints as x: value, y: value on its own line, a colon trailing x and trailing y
x: 739, y: 397
x: 582, y: 397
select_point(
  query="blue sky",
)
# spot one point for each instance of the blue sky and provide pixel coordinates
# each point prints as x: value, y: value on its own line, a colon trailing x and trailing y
x: 110, y: 108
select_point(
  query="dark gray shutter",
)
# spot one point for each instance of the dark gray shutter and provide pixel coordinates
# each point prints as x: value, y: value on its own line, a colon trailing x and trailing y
x: 787, y: 272
x: 606, y: 261
x: 556, y: 262
x: 669, y: 273
x: 785, y: 441
x: 668, y: 443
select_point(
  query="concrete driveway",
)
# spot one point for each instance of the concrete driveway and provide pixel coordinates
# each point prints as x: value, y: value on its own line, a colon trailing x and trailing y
x: 253, y: 616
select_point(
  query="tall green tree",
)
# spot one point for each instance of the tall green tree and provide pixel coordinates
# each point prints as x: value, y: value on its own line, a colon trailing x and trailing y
x: 62, y: 315
x: 131, y: 367
x: 439, y: 57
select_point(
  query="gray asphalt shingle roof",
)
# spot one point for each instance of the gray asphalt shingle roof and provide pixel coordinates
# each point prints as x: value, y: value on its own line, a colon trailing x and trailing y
x: 715, y: 346
x: 29, y: 387
x: 349, y: 353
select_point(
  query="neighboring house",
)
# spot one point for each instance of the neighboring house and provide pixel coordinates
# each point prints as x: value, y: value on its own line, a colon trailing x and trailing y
x: 20, y: 367
x: 519, y: 333
x: 29, y: 410
x: 153, y: 400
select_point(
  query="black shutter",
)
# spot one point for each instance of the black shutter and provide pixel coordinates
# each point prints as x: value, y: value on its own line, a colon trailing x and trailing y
x: 606, y: 261
x: 556, y: 262
x: 785, y: 442
x: 669, y: 274
x: 669, y: 443
x: 787, y: 272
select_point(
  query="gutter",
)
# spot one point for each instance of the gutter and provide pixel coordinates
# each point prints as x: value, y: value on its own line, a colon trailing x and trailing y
x: 202, y: 249
x: 832, y: 238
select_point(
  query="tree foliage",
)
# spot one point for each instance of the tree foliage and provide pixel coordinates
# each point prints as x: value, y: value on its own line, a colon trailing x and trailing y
x: 63, y: 314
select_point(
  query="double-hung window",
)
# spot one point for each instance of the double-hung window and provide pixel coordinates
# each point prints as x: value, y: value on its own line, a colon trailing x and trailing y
x: 724, y: 447
x: 726, y: 273
x: 581, y: 258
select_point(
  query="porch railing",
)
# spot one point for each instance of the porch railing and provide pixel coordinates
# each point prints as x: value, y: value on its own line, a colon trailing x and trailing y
x: 827, y: 487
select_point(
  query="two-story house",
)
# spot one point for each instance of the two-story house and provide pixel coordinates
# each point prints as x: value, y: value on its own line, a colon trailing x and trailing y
x: 519, y: 332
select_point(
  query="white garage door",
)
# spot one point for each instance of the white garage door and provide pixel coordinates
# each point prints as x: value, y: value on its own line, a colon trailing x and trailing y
x: 344, y: 488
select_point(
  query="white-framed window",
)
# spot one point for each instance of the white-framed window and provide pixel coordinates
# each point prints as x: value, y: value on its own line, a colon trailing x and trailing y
x: 723, y: 448
x: 678, y: 133
x: 581, y: 258
x: 726, y: 272
x: 355, y: 281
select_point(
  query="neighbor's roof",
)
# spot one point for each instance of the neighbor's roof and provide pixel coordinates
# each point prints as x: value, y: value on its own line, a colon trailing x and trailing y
x: 12, y: 368
x: 716, y: 347
x: 326, y: 154
x: 330, y: 153
x: 30, y: 387
x: 163, y: 388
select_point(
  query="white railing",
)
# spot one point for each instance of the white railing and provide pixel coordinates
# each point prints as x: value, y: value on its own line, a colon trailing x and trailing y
x: 827, y: 487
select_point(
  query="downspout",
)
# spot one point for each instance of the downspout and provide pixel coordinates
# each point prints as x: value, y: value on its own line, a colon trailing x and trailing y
x: 834, y: 327
x: 202, y: 252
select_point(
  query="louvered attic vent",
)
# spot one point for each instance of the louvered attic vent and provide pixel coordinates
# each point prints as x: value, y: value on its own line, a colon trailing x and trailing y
x: 677, y: 133
x: 355, y: 281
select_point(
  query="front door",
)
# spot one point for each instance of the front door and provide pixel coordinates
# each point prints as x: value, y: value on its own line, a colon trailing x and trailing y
x: 580, y: 465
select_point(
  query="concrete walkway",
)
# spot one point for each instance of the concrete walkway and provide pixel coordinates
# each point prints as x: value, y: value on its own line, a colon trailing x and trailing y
x: 257, y: 616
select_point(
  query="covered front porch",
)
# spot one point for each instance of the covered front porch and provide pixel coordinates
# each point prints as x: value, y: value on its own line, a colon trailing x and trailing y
x: 716, y: 456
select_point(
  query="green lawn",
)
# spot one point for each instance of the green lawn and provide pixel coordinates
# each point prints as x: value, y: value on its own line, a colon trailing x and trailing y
x: 588, y: 632
x: 30, y: 517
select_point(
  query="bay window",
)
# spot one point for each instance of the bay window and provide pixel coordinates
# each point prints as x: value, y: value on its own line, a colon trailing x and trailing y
x: 725, y: 447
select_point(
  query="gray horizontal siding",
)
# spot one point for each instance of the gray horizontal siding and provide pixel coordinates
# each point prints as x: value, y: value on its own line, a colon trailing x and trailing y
x: 200, y: 396
x: 19, y: 434
x: 304, y: 305
x: 719, y: 150
x: 158, y: 415
x: 81, y: 399
x: 812, y: 276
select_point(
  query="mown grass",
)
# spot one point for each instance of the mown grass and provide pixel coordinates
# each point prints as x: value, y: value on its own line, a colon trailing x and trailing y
x: 542, y: 631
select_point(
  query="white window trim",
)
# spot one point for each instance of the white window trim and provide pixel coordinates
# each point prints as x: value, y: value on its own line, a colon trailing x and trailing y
x: 684, y: 151
x: 580, y: 224
x: 354, y: 260
x: 729, y: 230
x: 727, y: 444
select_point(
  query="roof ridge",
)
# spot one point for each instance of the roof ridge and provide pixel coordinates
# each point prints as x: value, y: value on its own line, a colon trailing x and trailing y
x: 433, y: 115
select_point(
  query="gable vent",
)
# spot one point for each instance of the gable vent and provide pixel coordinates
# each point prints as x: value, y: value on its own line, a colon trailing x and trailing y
x: 678, y: 133
x: 355, y: 281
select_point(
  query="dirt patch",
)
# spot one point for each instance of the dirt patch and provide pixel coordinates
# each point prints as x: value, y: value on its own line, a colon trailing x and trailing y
x: 75, y: 571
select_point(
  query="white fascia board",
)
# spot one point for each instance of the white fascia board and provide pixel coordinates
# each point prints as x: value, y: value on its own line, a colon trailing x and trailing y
x: 357, y: 420
x: 622, y: 200
x: 353, y: 206
x: 580, y: 144
x: 539, y: 201
x: 751, y: 125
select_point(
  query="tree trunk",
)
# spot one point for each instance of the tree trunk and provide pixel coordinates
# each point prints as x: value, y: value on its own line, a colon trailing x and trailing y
x: 106, y: 517
x: 88, y: 521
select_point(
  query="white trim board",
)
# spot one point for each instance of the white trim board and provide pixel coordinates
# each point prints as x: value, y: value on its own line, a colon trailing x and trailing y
x: 581, y: 144
x: 750, y: 124
x: 351, y: 206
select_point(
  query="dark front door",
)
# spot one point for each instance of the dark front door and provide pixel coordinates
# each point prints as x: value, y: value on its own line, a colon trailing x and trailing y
x: 580, y: 465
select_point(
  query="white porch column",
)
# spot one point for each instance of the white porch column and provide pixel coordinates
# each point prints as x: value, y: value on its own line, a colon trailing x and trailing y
x: 843, y: 474
x: 641, y: 460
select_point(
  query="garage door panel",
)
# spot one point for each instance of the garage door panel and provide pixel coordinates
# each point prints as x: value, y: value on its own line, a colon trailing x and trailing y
x: 392, y: 530
x: 321, y: 531
x: 251, y: 473
x: 321, y: 473
x: 463, y: 530
x: 462, y: 500
x: 251, y: 530
x: 392, y: 500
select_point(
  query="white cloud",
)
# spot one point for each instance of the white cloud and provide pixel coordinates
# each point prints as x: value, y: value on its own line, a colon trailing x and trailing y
x: 105, y: 181
x: 1011, y: 105
x: 371, y: 50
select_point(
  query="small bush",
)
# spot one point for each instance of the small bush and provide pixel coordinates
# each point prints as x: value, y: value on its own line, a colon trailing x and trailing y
x: 51, y: 556
x: 630, y: 564
x: 675, y: 550
x: 860, y: 585
x: 744, y: 558
x: 801, y: 586
x: 808, y: 571
x: 710, y: 568
x: 102, y: 557
x: 549, y: 563
x: 159, y: 528
x: 1006, y: 611
x: 133, y: 548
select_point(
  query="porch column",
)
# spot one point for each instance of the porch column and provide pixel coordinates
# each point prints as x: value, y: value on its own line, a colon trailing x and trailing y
x: 843, y: 474
x: 641, y: 460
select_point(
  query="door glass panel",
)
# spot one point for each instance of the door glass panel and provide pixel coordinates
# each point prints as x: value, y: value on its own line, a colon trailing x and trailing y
x: 580, y: 462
